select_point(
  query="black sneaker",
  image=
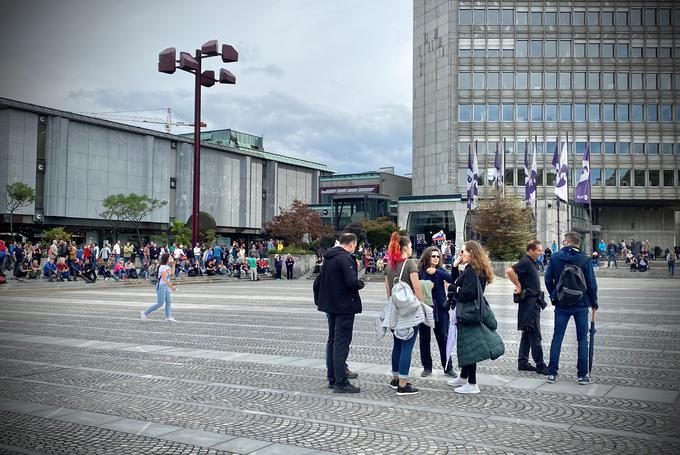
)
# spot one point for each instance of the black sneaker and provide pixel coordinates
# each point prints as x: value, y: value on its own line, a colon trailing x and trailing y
x: 394, y: 383
x: 449, y: 372
x: 351, y: 374
x: 426, y: 373
x: 408, y: 389
x: 346, y: 388
x: 526, y: 367
x: 331, y: 384
x: 542, y: 369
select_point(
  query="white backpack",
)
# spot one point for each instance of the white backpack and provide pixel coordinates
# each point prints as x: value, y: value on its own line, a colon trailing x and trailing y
x: 402, y: 294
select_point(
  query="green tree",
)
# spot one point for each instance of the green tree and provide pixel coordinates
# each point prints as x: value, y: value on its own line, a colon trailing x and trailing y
x: 119, y: 208
x: 181, y: 232
x: 209, y: 237
x: 57, y: 233
x: 358, y: 230
x: 292, y: 224
x: 378, y: 231
x: 18, y: 195
x: 506, y: 226
x: 114, y: 212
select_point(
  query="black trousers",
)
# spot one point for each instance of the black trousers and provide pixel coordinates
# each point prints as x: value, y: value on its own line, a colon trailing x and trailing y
x: 531, y: 341
x: 289, y: 273
x: 441, y: 333
x: 340, y: 327
x: 469, y: 372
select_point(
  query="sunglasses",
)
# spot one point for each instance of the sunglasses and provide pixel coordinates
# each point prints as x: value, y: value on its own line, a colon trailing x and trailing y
x: 435, y: 256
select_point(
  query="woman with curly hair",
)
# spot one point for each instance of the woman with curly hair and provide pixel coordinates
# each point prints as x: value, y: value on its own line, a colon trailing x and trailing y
x: 477, y: 341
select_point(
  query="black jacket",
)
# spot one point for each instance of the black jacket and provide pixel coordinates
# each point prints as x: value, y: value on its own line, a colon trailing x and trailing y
x: 337, y: 288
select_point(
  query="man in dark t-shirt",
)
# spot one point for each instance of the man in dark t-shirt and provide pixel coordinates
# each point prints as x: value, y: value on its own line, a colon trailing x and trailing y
x: 524, y: 275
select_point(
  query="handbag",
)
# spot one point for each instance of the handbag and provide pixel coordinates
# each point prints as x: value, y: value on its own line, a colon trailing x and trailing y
x: 470, y: 311
x: 402, y: 294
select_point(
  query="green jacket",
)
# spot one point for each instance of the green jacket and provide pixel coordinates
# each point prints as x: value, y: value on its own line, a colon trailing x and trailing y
x: 479, y: 342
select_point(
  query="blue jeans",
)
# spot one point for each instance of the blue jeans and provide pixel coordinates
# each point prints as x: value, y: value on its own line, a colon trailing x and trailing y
x: 562, y: 316
x: 162, y: 297
x: 401, y: 355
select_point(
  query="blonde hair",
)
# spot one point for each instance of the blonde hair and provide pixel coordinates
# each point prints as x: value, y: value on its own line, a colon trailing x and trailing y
x: 479, y: 260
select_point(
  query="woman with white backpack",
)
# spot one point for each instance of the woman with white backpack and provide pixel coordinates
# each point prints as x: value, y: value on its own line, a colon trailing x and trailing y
x: 401, y: 276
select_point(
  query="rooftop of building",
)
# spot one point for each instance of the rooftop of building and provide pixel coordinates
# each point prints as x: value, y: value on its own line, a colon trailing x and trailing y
x: 241, y: 149
x: 365, y: 175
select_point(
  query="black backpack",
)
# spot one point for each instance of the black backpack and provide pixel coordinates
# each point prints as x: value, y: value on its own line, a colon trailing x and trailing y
x: 571, y: 286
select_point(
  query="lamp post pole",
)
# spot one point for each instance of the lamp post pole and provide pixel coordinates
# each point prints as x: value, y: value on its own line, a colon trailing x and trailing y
x: 167, y: 63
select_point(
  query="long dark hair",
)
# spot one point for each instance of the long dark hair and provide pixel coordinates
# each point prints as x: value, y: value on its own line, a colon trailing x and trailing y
x: 426, y: 258
x: 164, y: 258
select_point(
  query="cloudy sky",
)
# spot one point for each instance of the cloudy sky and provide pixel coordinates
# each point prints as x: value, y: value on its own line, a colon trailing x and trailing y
x: 328, y: 81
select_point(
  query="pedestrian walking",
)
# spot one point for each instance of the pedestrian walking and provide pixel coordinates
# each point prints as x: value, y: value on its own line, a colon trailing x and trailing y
x: 671, y: 258
x: 290, y: 262
x: 337, y: 295
x: 570, y: 281
x: 529, y: 297
x: 430, y: 268
x: 278, y: 265
x: 163, y: 288
x: 477, y: 338
x: 252, y: 264
x: 612, y: 250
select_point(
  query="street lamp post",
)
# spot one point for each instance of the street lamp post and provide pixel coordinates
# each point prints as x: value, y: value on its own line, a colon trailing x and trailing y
x: 168, y: 63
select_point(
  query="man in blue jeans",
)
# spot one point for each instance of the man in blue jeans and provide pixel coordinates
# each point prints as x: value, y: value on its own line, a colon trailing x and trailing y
x: 571, y: 254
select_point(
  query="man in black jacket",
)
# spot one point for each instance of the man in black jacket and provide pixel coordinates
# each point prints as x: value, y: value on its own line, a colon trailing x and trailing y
x: 337, y: 295
x: 524, y: 275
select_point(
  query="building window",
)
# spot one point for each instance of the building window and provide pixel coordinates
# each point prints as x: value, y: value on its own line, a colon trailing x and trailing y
x: 640, y: 177
x: 665, y: 81
x: 579, y: 50
x: 478, y: 17
x: 650, y: 79
x: 665, y: 52
x: 652, y: 113
x: 593, y: 50
x: 608, y: 112
x: 666, y: 149
x: 579, y: 112
x: 636, y: 17
x: 565, y: 17
x: 463, y: 147
x: 595, y: 148
x: 492, y: 81
x: 550, y: 81
x: 565, y: 48
x: 579, y: 18
x: 650, y: 16
x: 607, y: 17
x: 610, y: 148
x: 551, y: 48
x: 536, y: 81
x: 622, y: 81
x: 509, y: 146
x: 551, y: 112
x: 492, y: 112
x: 666, y: 113
x: 510, y: 177
x: 622, y: 50
x: 624, y: 177
x: 565, y: 81
x: 669, y: 178
x: 608, y: 50
x: 623, y: 113
x: 650, y: 52
x: 508, y: 17
x: 508, y: 111
x: 522, y: 112
x: 536, y: 112
x: 609, y: 177
x: 593, y: 81
x: 550, y: 177
x: 594, y: 112
x: 479, y: 113
x: 593, y: 18
x: 638, y: 113
x: 522, y: 17
x: 508, y: 81
x: 652, y: 149
x: 464, y: 52
x: 579, y: 81
x: 521, y: 48
x: 550, y: 18
x: 622, y: 18
x: 608, y: 81
x: 636, y: 52
x: 479, y: 81
x: 638, y: 148
x: 677, y: 112
x: 464, y: 112
x: 581, y: 147
x: 636, y: 81
x: 493, y: 17
x: 464, y: 81
x: 536, y: 48
x: 465, y: 17
x: 565, y: 112
x: 536, y: 18
x: 624, y: 148
x: 521, y: 80
x: 521, y: 176
x: 596, y: 176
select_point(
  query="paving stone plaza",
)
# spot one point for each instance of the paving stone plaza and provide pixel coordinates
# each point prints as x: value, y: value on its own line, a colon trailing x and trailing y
x: 243, y: 371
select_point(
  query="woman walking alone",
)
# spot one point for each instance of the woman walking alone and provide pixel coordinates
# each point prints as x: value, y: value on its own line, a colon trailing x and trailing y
x: 430, y: 268
x: 476, y: 341
x: 401, y: 268
x: 163, y: 287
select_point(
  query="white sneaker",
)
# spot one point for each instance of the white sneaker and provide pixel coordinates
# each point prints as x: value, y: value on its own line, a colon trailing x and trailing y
x: 467, y: 388
x: 142, y: 315
x: 171, y: 319
x: 457, y: 382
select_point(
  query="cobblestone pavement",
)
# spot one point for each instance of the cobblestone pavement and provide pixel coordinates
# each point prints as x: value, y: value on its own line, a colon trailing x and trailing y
x: 243, y: 372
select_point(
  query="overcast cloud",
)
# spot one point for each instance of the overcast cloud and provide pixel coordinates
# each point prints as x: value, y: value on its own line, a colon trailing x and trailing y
x: 328, y: 81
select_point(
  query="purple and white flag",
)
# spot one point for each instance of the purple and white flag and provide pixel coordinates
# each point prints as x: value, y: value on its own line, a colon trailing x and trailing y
x: 472, y: 173
x: 497, y: 170
x: 561, y: 190
x: 583, y: 186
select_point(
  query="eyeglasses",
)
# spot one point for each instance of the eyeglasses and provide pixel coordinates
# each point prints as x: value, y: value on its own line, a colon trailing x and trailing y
x: 435, y: 257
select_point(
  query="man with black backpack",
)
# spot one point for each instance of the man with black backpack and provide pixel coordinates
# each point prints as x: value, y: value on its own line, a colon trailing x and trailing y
x: 570, y: 281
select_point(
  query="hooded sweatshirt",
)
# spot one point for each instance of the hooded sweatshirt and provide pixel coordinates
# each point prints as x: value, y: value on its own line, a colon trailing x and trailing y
x: 572, y: 255
x: 338, y: 284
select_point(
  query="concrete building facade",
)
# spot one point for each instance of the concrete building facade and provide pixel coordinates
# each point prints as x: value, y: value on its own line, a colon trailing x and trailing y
x: 74, y: 162
x: 519, y: 74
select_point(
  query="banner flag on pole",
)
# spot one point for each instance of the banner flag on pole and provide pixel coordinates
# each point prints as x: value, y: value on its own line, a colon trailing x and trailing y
x: 530, y: 175
x: 471, y: 180
x: 497, y: 170
x: 582, y: 194
x: 439, y: 237
x: 561, y: 190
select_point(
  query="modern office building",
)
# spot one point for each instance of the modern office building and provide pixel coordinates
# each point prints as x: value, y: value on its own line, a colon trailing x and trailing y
x: 74, y: 162
x: 504, y: 74
x: 349, y: 198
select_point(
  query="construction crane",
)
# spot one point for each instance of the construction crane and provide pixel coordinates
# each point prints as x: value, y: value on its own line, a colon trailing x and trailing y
x: 167, y: 121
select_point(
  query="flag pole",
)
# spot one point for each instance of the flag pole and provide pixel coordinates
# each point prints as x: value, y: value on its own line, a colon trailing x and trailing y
x: 536, y: 191
x: 590, y: 203
x: 557, y: 199
x: 568, y: 172
x: 503, y: 165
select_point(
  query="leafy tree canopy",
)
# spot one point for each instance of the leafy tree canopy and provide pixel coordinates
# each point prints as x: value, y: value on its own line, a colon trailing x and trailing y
x: 292, y: 224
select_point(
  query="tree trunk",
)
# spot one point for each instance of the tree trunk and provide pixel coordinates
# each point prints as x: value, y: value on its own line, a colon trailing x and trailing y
x: 139, y: 236
x: 11, y: 225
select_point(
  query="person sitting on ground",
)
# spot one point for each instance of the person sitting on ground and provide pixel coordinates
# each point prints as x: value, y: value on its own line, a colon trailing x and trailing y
x: 63, y: 272
x: 21, y: 269
x: 263, y: 267
x: 237, y: 269
x: 210, y: 268
x: 88, y: 273
x: 50, y: 269
x: 222, y: 269
x: 119, y: 270
x: 643, y: 264
x: 633, y: 261
x: 195, y: 269
x: 131, y: 270
x: 35, y: 271
x: 76, y: 269
x: 595, y: 259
